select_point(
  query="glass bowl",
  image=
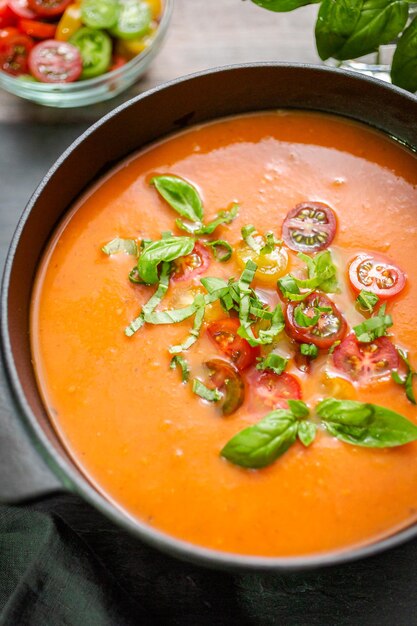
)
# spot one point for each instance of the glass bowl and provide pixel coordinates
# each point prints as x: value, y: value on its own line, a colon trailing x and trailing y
x: 84, y: 92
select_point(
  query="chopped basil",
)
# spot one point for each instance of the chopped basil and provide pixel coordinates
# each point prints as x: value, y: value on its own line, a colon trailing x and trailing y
x: 134, y: 277
x: 270, y: 243
x: 179, y: 361
x: 309, y: 349
x: 180, y: 195
x: 334, y: 346
x: 222, y: 250
x: 223, y: 217
x: 128, y: 246
x: 406, y: 380
x: 200, y: 389
x: 367, y: 300
x: 374, y: 327
x: 163, y: 250
x: 321, y: 275
x: 152, y: 302
x: 199, y: 303
x: 304, y: 320
x: 247, y: 235
x: 365, y: 424
x: 274, y: 362
x: 306, y: 432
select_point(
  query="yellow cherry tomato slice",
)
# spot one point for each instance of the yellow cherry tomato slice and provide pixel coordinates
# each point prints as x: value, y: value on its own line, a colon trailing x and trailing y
x: 130, y: 48
x: 69, y: 23
x: 338, y: 387
x: 156, y: 8
x: 271, y: 265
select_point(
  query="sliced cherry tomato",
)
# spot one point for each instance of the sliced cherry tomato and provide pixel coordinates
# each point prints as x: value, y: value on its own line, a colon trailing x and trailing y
x: 117, y: 61
x: 274, y: 390
x: 7, y: 17
x: 134, y: 19
x: 99, y: 13
x: 37, y: 30
x: 330, y: 325
x: 224, y: 334
x: 338, y: 387
x: 14, y: 51
x: 376, y: 274
x: 192, y: 265
x: 225, y: 377
x: 69, y: 23
x: 21, y: 9
x: 271, y: 265
x: 309, y: 227
x: 55, y: 62
x: 365, y: 361
x: 96, y: 48
x: 48, y: 8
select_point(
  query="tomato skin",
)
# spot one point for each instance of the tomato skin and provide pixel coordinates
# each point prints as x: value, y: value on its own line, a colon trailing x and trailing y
x: 310, y: 334
x: 376, y: 274
x: 21, y: 9
x: 192, y: 265
x: 7, y: 17
x: 37, y: 30
x: 54, y: 61
x: 274, y: 390
x: 364, y: 362
x: 223, y: 334
x: 14, y: 51
x: 309, y: 227
x: 48, y: 8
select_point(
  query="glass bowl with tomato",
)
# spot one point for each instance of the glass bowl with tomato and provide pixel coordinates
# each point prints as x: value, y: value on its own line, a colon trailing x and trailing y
x: 67, y: 53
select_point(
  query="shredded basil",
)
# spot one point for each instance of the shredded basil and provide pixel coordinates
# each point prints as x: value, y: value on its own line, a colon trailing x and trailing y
x: 222, y: 250
x: 199, y: 303
x: 128, y: 246
x: 167, y: 249
x: 310, y: 350
x: 407, y: 380
x: 152, y: 302
x: 321, y: 275
x: 200, y: 389
x: 247, y: 235
x: 367, y: 300
x: 274, y: 362
x: 179, y: 361
x: 304, y: 320
x: 374, y: 327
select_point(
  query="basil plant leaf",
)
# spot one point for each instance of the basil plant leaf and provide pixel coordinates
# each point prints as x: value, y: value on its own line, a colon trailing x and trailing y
x: 180, y: 195
x: 281, y: 6
x: 364, y: 424
x: 261, y: 444
x: 163, y: 250
x: 336, y: 21
x: 306, y: 432
x: 404, y: 62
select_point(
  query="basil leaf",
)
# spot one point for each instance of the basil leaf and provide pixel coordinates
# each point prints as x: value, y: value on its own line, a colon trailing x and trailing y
x: 283, y: 5
x: 222, y: 249
x: 367, y: 425
x: 261, y: 444
x: 373, y: 327
x: 200, y: 389
x: 298, y: 408
x: 274, y: 362
x: 270, y: 243
x: 152, y: 302
x: 247, y: 235
x: 195, y: 331
x: 336, y: 21
x: 404, y: 62
x: 163, y: 250
x: 322, y: 275
x: 180, y: 195
x: 309, y: 349
x: 306, y: 432
x: 128, y: 246
x: 304, y: 320
x: 277, y: 326
x: 224, y: 217
x: 367, y: 300
x: 169, y: 316
x: 290, y: 290
x: 179, y: 361
x: 407, y: 380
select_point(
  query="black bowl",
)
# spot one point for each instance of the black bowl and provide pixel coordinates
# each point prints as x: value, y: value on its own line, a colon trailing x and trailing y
x: 166, y: 109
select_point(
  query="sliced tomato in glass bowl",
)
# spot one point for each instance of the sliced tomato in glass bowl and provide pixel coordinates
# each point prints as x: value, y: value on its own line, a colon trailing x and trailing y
x: 191, y: 265
x: 36, y: 29
x: 376, y: 274
x: 48, y: 8
x: 7, y: 17
x: 315, y: 320
x: 364, y: 362
x: 223, y: 334
x: 273, y: 390
x: 54, y: 61
x: 309, y: 227
x: 14, y: 51
x: 21, y: 8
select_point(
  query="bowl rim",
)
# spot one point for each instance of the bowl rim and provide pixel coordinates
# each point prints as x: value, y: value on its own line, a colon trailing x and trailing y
x: 7, y: 80
x: 78, y: 483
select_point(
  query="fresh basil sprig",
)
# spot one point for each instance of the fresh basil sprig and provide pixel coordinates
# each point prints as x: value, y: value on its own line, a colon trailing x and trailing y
x: 167, y: 249
x: 374, y: 327
x: 117, y: 245
x: 407, y: 380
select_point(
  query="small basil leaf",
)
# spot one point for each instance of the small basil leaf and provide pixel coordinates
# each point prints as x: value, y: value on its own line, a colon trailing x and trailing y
x: 180, y: 195
x: 282, y: 6
x: 248, y: 233
x: 367, y: 425
x: 309, y: 349
x: 128, y: 246
x: 404, y: 62
x: 163, y: 250
x: 153, y: 301
x: 367, y: 300
x: 306, y: 432
x: 274, y: 362
x: 224, y: 217
x: 222, y: 250
x: 179, y: 361
x: 298, y: 408
x: 200, y: 389
x: 261, y: 444
x: 374, y: 327
x: 302, y: 319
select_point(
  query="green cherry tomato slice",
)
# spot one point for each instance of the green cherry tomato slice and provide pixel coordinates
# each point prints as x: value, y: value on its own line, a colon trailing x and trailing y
x: 99, y: 13
x: 133, y: 21
x: 95, y: 47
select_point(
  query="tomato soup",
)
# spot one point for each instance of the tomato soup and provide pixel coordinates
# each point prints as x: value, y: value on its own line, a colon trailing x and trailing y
x: 224, y: 332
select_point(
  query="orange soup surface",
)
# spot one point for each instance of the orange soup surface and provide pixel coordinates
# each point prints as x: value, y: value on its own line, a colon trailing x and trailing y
x: 148, y: 441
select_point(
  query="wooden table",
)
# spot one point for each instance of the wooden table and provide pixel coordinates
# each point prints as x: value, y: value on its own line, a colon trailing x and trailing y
x: 381, y: 590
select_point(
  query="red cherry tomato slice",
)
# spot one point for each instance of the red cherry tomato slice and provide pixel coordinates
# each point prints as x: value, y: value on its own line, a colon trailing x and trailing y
x: 224, y: 335
x: 225, y: 377
x: 37, y: 30
x: 55, y: 62
x: 117, y: 61
x: 365, y: 361
x: 48, y: 8
x: 21, y: 9
x: 7, y: 17
x: 309, y: 227
x: 192, y: 265
x: 274, y: 390
x: 14, y: 51
x: 376, y: 274
x: 329, y: 327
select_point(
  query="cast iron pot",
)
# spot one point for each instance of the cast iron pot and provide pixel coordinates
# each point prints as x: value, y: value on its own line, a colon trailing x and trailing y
x: 144, y: 119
